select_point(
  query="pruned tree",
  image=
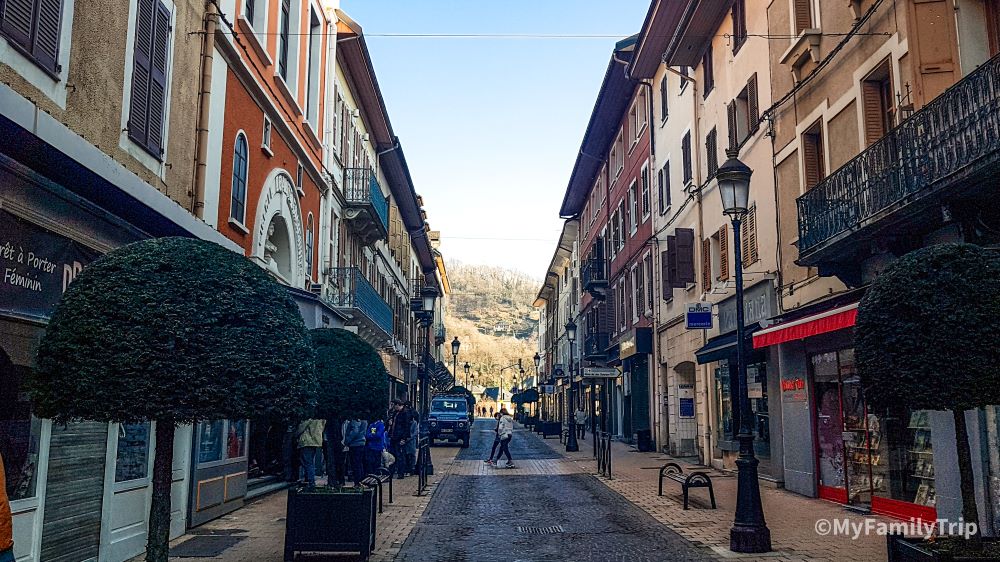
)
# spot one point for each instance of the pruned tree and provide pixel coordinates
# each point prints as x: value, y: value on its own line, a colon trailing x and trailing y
x: 353, y: 381
x: 173, y: 331
x: 927, y: 338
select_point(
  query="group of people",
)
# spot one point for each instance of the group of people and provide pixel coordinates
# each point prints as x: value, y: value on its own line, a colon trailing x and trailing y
x: 482, y: 412
x: 356, y: 447
x: 504, y: 433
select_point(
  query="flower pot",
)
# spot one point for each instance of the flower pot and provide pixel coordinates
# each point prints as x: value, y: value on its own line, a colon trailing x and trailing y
x: 902, y: 549
x: 330, y: 520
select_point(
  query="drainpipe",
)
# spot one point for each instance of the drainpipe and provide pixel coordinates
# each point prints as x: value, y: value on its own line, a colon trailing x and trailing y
x: 204, y: 102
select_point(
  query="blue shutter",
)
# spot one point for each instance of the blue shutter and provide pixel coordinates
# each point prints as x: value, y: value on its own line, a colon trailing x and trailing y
x: 138, y: 117
x: 158, y: 79
x: 45, y: 47
x: 17, y: 20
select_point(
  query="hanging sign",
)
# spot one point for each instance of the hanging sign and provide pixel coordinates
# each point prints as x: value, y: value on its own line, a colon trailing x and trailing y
x: 699, y: 316
x: 599, y: 372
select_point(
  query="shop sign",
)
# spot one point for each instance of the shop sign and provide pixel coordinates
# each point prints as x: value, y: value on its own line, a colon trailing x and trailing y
x: 548, y: 389
x: 793, y: 390
x: 599, y: 372
x: 685, y: 398
x: 759, y: 304
x: 755, y: 390
x: 699, y: 316
x: 36, y: 266
x: 638, y: 340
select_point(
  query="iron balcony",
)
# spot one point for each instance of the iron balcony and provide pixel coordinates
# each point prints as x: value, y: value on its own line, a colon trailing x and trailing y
x: 945, y: 151
x: 349, y: 291
x: 367, y: 209
x: 595, y: 277
x: 595, y: 345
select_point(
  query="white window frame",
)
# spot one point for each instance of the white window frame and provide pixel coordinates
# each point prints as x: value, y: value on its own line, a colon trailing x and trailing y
x: 240, y: 223
x: 633, y: 206
x: 293, y: 55
x: 313, y: 68
x: 265, y: 139
x: 644, y: 191
x: 26, y: 68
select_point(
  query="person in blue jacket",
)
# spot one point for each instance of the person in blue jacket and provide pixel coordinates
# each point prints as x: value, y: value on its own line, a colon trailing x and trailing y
x: 375, y: 443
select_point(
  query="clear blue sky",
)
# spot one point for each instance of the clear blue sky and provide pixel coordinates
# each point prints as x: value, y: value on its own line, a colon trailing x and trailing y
x: 491, y: 127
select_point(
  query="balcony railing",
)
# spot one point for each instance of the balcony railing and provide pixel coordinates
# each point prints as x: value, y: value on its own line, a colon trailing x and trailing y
x: 595, y: 345
x: 350, y: 290
x: 364, y: 197
x: 954, y: 136
x: 594, y: 276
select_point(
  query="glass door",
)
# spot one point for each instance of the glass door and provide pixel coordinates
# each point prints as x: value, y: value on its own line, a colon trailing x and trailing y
x: 829, y: 428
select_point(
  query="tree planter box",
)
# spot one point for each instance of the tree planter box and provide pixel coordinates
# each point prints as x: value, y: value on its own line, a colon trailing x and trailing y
x: 902, y: 549
x: 330, y: 520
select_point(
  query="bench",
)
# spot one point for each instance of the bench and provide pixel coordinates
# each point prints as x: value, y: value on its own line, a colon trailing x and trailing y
x: 673, y: 471
x: 376, y: 481
x: 547, y: 429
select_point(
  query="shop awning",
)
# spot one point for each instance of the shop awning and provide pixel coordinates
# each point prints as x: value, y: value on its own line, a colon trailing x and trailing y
x: 720, y: 347
x: 821, y: 323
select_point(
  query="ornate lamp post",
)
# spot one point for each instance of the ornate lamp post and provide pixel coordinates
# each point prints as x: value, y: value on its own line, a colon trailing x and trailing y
x: 538, y: 382
x: 455, y: 344
x: 467, y: 367
x: 428, y: 296
x: 749, y: 532
x: 571, y: 445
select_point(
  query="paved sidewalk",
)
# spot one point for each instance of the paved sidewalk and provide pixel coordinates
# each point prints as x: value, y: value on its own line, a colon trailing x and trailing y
x: 791, y: 517
x: 256, y: 532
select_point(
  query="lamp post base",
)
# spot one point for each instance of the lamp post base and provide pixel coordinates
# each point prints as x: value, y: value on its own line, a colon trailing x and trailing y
x: 749, y: 532
x: 571, y: 445
x: 750, y: 539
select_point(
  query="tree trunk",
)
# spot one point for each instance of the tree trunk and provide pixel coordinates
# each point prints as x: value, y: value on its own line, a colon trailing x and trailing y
x: 970, y: 512
x: 158, y: 538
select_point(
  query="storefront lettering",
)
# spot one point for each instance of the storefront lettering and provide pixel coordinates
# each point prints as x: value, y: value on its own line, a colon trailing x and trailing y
x: 758, y: 304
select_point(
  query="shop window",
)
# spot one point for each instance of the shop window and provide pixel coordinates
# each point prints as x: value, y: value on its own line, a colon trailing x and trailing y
x: 20, y: 432
x: 132, y: 460
x: 220, y: 440
x: 903, y: 457
x: 210, y: 441
x: 236, y: 441
x: 724, y: 422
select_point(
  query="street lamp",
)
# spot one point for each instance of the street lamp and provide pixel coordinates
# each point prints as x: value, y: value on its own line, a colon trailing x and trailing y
x: 571, y: 444
x: 455, y: 344
x: 749, y: 532
x: 428, y: 294
x: 467, y: 367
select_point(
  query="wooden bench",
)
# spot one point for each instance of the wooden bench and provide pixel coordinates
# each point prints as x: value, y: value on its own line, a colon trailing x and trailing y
x: 673, y: 471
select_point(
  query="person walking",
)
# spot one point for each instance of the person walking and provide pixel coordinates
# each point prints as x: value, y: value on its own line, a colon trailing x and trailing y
x: 581, y: 422
x: 411, y: 445
x: 335, y: 452
x: 399, y: 437
x: 491, y: 410
x: 310, y: 440
x: 496, y: 441
x: 505, y: 429
x: 374, y: 446
x: 6, y: 521
x: 354, y: 439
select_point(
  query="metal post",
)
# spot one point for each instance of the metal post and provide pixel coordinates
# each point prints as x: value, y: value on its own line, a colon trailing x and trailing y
x: 425, y: 396
x: 749, y: 532
x: 571, y: 444
x: 593, y: 415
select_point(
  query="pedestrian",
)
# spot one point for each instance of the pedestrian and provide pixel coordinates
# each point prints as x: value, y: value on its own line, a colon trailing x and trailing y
x: 6, y: 521
x: 354, y: 439
x: 491, y: 410
x: 310, y: 440
x: 411, y: 445
x: 335, y: 452
x: 496, y: 440
x: 581, y: 422
x: 375, y: 440
x: 399, y: 437
x: 505, y: 430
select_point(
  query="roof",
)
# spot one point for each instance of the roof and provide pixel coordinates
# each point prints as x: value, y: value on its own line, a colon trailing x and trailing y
x: 656, y: 34
x: 560, y: 259
x: 677, y: 32
x: 612, y: 102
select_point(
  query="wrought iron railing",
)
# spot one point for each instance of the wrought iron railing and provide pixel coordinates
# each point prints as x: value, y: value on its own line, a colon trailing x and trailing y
x: 594, y: 272
x: 350, y: 289
x: 362, y: 188
x: 596, y: 344
x: 945, y: 139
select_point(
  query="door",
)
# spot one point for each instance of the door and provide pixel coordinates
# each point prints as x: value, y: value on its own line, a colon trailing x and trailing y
x: 219, y: 484
x: 829, y: 428
x: 128, y: 495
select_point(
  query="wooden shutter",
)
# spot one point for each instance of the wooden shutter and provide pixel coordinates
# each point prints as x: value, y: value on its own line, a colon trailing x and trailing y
x: 871, y: 97
x: 16, y: 20
x: 670, y: 268
x: 751, y: 221
x: 724, y: 253
x: 46, y: 41
x: 685, y: 257
x: 936, y: 53
x: 158, y: 79
x: 138, y: 117
x: 712, y: 150
x: 686, y: 155
x: 706, y: 264
x: 812, y: 157
x: 731, y: 110
x: 753, y: 108
x: 803, y: 15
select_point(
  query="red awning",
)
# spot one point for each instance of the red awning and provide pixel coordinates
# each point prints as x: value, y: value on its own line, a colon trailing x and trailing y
x: 829, y: 321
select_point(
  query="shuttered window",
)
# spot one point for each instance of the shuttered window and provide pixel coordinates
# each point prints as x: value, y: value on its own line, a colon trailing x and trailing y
x: 663, y: 186
x: 237, y: 207
x: 739, y: 24
x: 310, y: 243
x: 34, y: 27
x: 877, y: 103
x: 664, y: 104
x: 731, y: 111
x: 724, y: 253
x: 686, y: 157
x: 668, y: 263
x: 685, y: 257
x: 748, y: 244
x: 753, y: 109
x: 147, y: 107
x: 813, y: 156
x: 708, y: 72
x: 712, y: 152
x: 286, y: 14
x: 706, y: 265
x: 803, y: 15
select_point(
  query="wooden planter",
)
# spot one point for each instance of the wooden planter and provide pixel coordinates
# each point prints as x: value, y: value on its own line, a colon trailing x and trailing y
x: 327, y: 520
x: 902, y: 549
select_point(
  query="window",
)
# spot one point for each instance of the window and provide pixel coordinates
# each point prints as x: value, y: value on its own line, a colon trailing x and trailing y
x: 638, y: 292
x: 310, y: 243
x: 649, y: 282
x: 712, y: 152
x: 265, y: 142
x: 706, y: 265
x: 20, y: 432
x: 813, y: 155
x: 284, y: 24
x: 645, y: 191
x: 621, y: 304
x: 238, y: 202
x: 249, y: 9
x: 312, y: 71
x: 664, y: 103
x: 686, y: 158
x: 993, y: 26
x: 739, y: 24
x: 722, y: 245
x: 618, y: 155
x: 221, y: 440
x: 147, y: 103
x: 748, y: 233
x: 878, y: 106
x: 743, y: 114
x: 663, y: 188
x: 708, y: 72
x: 132, y: 460
x: 639, y: 112
x: 803, y: 16
x: 633, y: 203
x: 685, y: 73
x: 615, y: 234
x: 33, y: 27
x: 298, y: 179
x: 621, y: 225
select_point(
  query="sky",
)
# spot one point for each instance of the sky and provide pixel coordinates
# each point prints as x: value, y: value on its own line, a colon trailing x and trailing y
x: 491, y: 126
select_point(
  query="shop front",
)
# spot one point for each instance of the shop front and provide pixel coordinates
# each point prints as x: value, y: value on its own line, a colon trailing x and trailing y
x: 878, y: 461
x: 634, y: 349
x: 719, y: 356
